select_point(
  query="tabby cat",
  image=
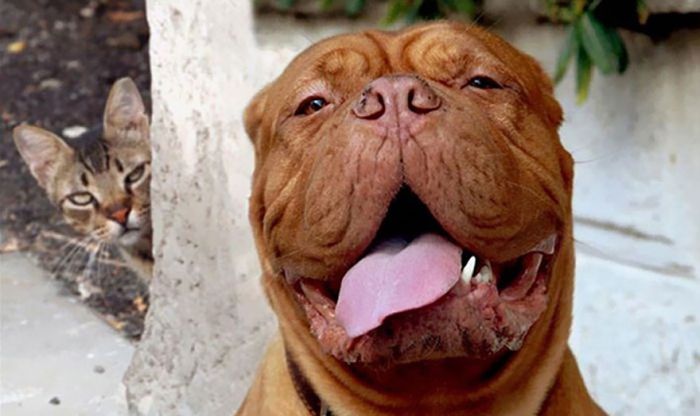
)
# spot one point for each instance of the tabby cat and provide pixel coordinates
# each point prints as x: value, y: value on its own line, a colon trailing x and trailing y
x: 101, y: 180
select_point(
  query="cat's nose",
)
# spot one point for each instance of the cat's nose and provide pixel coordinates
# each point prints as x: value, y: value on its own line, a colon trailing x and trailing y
x: 120, y: 215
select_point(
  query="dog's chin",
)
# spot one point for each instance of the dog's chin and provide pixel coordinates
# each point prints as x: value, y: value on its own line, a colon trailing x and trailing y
x: 416, y: 295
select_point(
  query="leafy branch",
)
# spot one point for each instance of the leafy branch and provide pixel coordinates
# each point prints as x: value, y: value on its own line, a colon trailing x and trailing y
x: 413, y: 10
x: 352, y: 8
x: 408, y: 10
x: 590, y: 42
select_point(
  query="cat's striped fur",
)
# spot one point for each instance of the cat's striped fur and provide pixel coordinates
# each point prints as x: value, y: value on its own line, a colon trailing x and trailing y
x: 101, y: 180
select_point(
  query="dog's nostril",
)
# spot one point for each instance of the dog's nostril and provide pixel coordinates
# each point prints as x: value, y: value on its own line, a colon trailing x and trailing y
x: 422, y: 101
x: 370, y: 106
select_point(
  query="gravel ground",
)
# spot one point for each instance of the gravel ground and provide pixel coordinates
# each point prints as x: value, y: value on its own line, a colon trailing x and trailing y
x: 58, y: 59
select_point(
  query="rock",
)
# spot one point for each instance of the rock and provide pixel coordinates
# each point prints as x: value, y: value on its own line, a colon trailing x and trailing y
x: 73, y: 132
x: 88, y: 11
x: 16, y: 47
x: 126, y: 40
x: 55, y: 401
x: 120, y: 16
x: 74, y: 65
x: 50, y: 84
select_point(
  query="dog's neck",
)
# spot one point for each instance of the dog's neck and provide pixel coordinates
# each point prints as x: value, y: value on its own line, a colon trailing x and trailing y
x: 402, y: 378
x: 451, y: 386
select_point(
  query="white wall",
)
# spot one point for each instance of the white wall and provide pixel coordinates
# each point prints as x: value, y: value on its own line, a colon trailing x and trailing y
x: 637, y: 146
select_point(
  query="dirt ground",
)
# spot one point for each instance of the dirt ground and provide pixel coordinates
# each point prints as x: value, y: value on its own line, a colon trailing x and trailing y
x: 58, y: 59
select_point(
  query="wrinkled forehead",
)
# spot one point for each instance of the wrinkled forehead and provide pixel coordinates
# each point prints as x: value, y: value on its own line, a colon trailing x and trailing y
x: 437, y: 51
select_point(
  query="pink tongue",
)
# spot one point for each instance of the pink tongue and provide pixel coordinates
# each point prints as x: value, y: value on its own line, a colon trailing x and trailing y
x: 394, y: 278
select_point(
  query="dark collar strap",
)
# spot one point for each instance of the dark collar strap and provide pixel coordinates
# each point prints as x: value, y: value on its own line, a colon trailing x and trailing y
x: 314, y: 404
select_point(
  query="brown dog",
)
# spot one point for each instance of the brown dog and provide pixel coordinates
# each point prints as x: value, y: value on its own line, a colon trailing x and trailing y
x: 412, y: 210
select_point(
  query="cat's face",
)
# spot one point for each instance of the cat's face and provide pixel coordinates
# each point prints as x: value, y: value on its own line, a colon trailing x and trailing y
x: 104, y: 190
x: 101, y: 181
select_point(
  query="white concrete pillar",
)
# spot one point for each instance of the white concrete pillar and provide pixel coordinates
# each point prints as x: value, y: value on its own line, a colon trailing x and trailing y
x: 207, y: 311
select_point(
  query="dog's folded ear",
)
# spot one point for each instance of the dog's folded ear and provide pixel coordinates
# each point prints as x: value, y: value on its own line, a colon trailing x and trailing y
x: 545, y: 93
x: 553, y: 114
x: 253, y: 114
x: 566, y: 164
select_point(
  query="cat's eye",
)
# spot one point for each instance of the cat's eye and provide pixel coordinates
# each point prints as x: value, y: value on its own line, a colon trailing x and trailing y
x: 81, y: 198
x: 135, y: 174
x: 311, y: 105
x: 483, y: 83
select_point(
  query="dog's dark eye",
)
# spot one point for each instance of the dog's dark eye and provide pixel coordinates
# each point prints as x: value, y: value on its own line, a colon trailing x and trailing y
x: 484, y: 83
x: 310, y: 106
x: 81, y: 198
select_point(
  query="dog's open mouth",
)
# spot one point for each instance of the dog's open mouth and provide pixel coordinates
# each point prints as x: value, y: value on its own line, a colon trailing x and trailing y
x: 416, y: 295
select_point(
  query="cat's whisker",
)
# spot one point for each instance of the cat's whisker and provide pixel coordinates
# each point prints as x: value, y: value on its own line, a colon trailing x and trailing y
x: 70, y: 244
x: 78, y: 264
x: 100, y: 259
x: 91, y: 260
x: 84, y: 279
x: 66, y: 250
x: 66, y: 241
x: 67, y: 259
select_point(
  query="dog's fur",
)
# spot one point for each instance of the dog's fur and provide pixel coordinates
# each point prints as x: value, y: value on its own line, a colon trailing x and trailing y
x: 491, y: 170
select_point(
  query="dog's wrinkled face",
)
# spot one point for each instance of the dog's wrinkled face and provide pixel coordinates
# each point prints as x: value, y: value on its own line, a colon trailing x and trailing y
x: 411, y: 190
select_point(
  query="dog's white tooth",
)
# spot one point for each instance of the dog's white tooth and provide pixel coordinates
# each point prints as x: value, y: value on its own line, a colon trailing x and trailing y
x: 485, y: 275
x: 468, y: 270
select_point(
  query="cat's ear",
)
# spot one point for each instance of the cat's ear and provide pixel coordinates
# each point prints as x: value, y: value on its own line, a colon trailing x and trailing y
x: 125, y: 115
x: 43, y: 151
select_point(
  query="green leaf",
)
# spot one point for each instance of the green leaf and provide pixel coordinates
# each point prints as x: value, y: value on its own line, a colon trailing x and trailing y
x: 642, y: 12
x: 467, y: 7
x: 354, y: 7
x: 449, y: 4
x: 326, y: 4
x: 566, y: 15
x: 552, y: 9
x: 594, y: 5
x: 285, y: 4
x: 584, y: 73
x: 411, y: 14
x: 603, y: 44
x: 571, y: 46
x: 623, y: 57
x: 394, y: 11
